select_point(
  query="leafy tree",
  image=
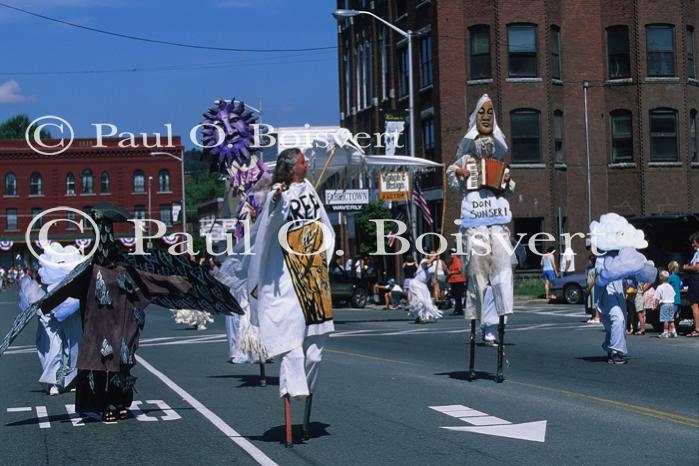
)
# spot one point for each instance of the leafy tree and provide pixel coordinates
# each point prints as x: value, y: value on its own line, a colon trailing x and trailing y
x: 372, y: 211
x: 15, y: 128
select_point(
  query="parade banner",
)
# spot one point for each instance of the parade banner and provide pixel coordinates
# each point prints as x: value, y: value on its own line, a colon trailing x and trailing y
x: 346, y: 199
x: 394, y: 135
x: 394, y: 186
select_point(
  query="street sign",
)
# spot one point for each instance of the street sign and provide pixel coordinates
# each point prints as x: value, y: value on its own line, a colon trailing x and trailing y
x: 346, y: 199
x: 482, y: 423
x: 394, y: 186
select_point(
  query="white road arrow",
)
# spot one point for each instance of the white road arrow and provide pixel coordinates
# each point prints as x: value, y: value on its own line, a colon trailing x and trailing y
x: 490, y: 425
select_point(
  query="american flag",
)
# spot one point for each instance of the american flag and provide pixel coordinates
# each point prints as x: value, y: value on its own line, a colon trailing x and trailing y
x: 421, y: 202
x: 400, y: 216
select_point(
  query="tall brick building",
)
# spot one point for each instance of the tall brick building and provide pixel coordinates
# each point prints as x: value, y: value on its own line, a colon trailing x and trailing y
x: 639, y: 58
x: 80, y: 178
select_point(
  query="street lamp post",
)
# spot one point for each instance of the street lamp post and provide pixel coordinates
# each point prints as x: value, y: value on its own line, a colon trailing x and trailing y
x: 184, y: 206
x: 338, y: 14
x: 586, y: 86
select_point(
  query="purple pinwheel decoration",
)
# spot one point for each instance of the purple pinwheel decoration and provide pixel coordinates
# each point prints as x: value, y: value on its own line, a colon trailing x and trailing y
x: 228, y: 132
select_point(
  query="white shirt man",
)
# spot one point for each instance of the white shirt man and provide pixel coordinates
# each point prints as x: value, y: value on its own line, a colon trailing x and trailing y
x: 568, y: 261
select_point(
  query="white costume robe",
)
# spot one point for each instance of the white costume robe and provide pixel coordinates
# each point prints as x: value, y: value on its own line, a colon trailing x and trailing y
x: 290, y: 293
x: 421, y: 306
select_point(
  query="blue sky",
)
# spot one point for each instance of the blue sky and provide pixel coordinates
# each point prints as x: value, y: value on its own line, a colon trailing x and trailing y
x: 296, y: 88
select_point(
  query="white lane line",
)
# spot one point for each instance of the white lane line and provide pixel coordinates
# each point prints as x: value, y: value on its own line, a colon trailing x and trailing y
x: 21, y: 409
x: 219, y: 423
x: 170, y: 414
x: 74, y: 417
x: 43, y: 417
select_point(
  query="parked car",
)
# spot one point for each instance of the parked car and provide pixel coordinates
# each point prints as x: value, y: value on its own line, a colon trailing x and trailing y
x: 570, y: 288
x: 349, y: 290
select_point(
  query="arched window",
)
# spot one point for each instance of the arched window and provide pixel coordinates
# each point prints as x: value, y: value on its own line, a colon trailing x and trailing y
x: 663, y: 135
x: 164, y: 181
x: 35, y: 188
x: 88, y: 187
x: 10, y: 184
x: 526, y: 135
x: 70, y: 184
x: 139, y: 184
x: 622, y: 136
x: 558, y: 154
x: 521, y: 50
x: 104, y: 182
x: 693, y: 142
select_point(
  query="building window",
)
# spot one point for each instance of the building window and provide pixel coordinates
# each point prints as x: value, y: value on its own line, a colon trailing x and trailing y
x: 521, y: 48
x: 383, y: 41
x: 403, y: 77
x: 401, y: 8
x: 555, y: 52
x: 348, y: 79
x: 622, y: 136
x: 368, y: 73
x: 358, y: 73
x: 88, y: 209
x: 104, y: 182
x: 10, y: 184
x: 164, y: 181
x: 660, y: 50
x: 425, y: 61
x: 693, y: 142
x: 479, y: 45
x: 88, y: 187
x: 70, y: 185
x: 70, y: 216
x: 663, y: 135
x: 35, y: 188
x: 691, y: 63
x: 524, y: 126
x: 11, y: 220
x: 618, y: 58
x: 139, y: 212
x: 36, y: 212
x: 558, y: 156
x: 166, y: 214
x: 139, y: 184
x: 428, y: 139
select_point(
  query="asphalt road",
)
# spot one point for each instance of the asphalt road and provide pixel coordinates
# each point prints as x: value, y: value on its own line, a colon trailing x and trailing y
x: 380, y: 379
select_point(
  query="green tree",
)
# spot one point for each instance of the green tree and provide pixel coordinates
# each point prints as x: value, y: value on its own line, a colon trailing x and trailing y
x: 372, y: 211
x: 15, y: 128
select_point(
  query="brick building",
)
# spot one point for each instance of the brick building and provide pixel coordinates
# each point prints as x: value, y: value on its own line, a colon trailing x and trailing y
x: 533, y: 58
x: 80, y: 178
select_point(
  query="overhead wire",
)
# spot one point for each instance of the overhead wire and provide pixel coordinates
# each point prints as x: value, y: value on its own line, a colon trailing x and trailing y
x: 157, y: 41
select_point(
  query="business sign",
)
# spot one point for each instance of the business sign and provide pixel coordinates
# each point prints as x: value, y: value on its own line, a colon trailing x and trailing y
x: 394, y: 186
x: 346, y: 199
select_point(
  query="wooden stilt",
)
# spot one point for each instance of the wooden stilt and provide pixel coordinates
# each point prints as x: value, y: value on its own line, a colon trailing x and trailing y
x: 263, y: 376
x: 499, y: 378
x: 472, y: 351
x: 287, y: 421
x: 307, y: 417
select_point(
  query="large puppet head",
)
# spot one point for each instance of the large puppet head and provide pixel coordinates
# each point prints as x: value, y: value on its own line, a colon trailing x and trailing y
x: 105, y: 215
x: 613, y: 232
x: 482, y: 122
x: 57, y: 261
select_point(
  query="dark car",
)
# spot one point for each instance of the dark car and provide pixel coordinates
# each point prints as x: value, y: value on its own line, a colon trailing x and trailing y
x: 570, y: 288
x: 668, y: 240
x: 349, y: 290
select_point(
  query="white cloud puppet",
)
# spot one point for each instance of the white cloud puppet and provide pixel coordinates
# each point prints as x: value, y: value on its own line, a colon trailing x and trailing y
x: 613, y: 232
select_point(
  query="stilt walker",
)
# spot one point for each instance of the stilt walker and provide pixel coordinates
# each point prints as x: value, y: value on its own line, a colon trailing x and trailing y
x: 483, y: 179
x: 288, y: 282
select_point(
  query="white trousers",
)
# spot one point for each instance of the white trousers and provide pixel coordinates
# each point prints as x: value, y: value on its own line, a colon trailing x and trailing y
x: 494, y: 269
x: 614, y: 321
x: 299, y: 368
